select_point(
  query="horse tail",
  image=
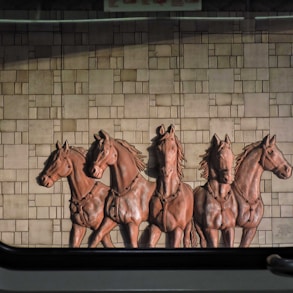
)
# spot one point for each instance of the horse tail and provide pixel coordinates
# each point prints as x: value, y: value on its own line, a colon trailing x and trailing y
x: 193, y: 235
x: 190, y: 237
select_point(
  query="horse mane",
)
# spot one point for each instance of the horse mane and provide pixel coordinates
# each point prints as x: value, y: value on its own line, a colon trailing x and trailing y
x: 180, y: 153
x: 246, y: 150
x: 137, y: 155
x: 80, y: 150
x: 204, y: 163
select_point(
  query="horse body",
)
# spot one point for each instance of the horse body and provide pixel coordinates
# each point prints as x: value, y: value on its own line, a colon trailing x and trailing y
x: 250, y: 166
x: 215, y: 207
x: 128, y: 202
x: 87, y: 195
x: 171, y: 208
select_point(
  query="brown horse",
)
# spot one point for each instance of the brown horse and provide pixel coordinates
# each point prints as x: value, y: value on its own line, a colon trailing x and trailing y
x: 250, y: 164
x: 87, y: 195
x: 215, y: 207
x: 128, y: 202
x: 171, y: 208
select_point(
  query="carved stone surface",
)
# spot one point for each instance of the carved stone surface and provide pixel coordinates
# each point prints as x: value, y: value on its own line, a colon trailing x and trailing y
x: 169, y: 204
x: 215, y: 207
x: 128, y: 201
x: 171, y: 207
x: 87, y: 195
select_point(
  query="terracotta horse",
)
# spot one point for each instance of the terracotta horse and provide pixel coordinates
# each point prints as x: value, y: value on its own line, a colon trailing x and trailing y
x: 171, y: 208
x: 215, y: 207
x: 87, y: 195
x: 250, y: 164
x: 128, y: 202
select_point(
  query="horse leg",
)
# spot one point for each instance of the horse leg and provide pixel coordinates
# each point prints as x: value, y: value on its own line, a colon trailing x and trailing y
x: 247, y: 236
x: 228, y: 236
x: 76, y: 235
x: 155, y: 234
x: 105, y: 228
x: 212, y: 236
x: 107, y: 241
x: 187, y: 235
x: 133, y: 234
x: 202, y: 238
x: 177, y: 237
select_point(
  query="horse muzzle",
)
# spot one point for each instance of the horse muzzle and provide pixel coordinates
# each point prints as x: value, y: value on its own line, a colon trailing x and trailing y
x: 284, y: 172
x: 97, y: 172
x: 45, y: 181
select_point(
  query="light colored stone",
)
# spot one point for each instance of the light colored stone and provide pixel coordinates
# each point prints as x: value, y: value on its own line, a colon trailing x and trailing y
x: 196, y: 105
x: 40, y: 232
x: 15, y: 206
x: 136, y: 57
x: 40, y: 82
x: 221, y: 80
x: 255, y: 55
x: 16, y: 107
x: 161, y: 81
x: 195, y: 56
x: 101, y: 81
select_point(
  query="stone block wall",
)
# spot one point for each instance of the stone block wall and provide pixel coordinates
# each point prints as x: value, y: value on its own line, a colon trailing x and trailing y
x: 66, y: 82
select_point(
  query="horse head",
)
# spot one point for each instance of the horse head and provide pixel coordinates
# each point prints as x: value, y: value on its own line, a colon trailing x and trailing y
x: 167, y: 150
x: 56, y: 166
x: 272, y: 159
x: 221, y: 159
x: 103, y: 154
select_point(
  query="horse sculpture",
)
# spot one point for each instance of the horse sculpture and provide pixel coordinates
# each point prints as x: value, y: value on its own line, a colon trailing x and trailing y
x: 215, y: 207
x: 87, y: 195
x: 250, y: 164
x: 171, y: 208
x: 128, y: 202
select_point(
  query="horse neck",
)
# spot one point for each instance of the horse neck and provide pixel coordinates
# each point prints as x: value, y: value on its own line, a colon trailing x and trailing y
x: 248, y: 176
x: 124, y: 170
x: 218, y: 189
x: 80, y: 184
x: 169, y: 185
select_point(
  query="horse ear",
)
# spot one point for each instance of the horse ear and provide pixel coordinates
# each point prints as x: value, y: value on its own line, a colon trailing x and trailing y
x: 97, y: 137
x: 273, y: 140
x: 216, y: 140
x: 58, y: 145
x: 103, y: 134
x: 171, y: 129
x: 162, y: 129
x: 227, y: 139
x: 66, y: 146
x: 266, y: 140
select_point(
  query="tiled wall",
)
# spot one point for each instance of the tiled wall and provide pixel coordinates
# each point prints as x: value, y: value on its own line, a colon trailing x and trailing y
x: 63, y: 82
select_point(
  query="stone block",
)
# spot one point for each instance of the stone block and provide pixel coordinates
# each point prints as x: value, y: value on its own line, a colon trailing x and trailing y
x: 15, y: 206
x: 41, y: 131
x: 223, y: 99
x: 76, y: 57
x: 16, y: 157
x: 41, y: 82
x: 256, y: 105
x: 256, y: 55
x: 101, y: 81
x: 16, y: 107
x: 195, y: 56
x: 196, y: 105
x: 281, y: 80
x: 75, y: 106
x: 280, y: 126
x: 7, y: 125
x: 221, y: 80
x: 282, y: 229
x: 222, y: 126
x: 161, y: 82
x: 41, y: 232
x: 136, y: 106
x: 136, y: 57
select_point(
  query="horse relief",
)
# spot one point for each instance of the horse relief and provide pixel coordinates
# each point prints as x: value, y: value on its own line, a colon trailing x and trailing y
x: 130, y: 194
x: 87, y: 195
x: 171, y: 208
x: 250, y: 165
x: 169, y: 204
x: 215, y: 207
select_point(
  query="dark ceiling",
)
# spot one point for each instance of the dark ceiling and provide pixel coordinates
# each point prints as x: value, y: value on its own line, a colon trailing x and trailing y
x: 97, y: 5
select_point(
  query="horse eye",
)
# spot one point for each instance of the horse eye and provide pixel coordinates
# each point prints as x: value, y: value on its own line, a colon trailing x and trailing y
x: 270, y: 152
